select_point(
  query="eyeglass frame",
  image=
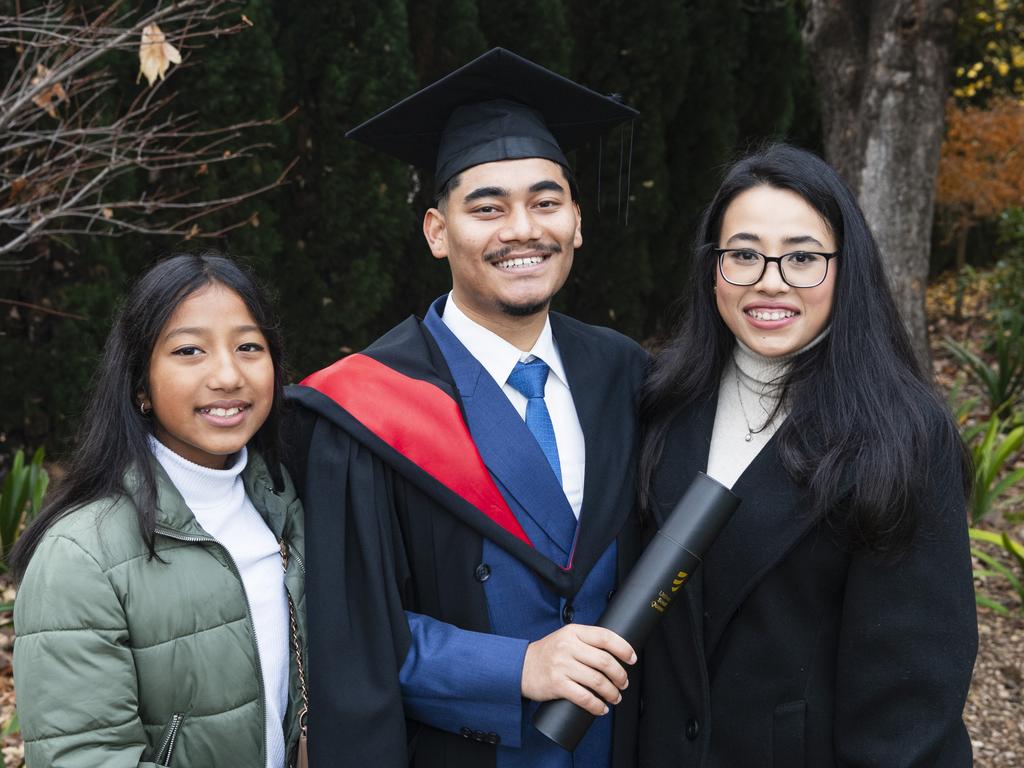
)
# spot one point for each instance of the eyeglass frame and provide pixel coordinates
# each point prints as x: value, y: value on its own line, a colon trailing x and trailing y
x: 720, y: 252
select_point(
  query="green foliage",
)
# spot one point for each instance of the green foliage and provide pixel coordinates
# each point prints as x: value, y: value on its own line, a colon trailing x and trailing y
x: 21, y: 498
x: 996, y: 568
x: 989, y: 54
x: 962, y: 409
x: 1007, y: 285
x: 993, y: 451
x: 536, y: 29
x: 1003, y: 378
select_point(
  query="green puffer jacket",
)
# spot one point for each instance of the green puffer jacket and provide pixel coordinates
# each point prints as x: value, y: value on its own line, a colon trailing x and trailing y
x: 121, y: 660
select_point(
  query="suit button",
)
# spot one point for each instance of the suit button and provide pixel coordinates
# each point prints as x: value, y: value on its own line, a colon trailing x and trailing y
x: 482, y: 572
x: 493, y: 738
x: 692, y: 728
x: 568, y: 612
x: 611, y: 594
x: 466, y: 733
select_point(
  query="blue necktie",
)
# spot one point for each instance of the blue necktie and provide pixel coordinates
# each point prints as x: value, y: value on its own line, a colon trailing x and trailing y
x: 529, y: 379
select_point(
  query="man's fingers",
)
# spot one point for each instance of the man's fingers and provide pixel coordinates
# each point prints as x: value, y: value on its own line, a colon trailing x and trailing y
x: 597, y: 682
x: 582, y: 697
x: 599, y: 637
x: 604, y: 665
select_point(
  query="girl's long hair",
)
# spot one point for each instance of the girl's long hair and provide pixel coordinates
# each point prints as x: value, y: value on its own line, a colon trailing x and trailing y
x: 865, y: 428
x: 114, y: 435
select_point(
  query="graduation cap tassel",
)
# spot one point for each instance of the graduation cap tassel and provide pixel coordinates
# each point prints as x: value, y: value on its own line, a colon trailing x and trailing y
x: 629, y: 169
x: 618, y: 210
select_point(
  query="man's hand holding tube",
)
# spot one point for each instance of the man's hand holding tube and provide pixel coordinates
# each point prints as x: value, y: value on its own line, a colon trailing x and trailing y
x: 580, y: 663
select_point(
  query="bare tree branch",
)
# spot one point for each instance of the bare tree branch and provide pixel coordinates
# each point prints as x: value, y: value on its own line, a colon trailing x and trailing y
x: 61, y: 151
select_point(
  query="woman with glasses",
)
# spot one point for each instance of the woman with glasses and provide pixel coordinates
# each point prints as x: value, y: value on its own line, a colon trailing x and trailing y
x: 832, y: 621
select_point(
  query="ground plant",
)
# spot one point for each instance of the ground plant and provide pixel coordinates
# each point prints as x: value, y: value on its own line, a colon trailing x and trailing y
x: 995, y: 568
x: 994, y: 450
x: 999, y: 369
x: 21, y: 497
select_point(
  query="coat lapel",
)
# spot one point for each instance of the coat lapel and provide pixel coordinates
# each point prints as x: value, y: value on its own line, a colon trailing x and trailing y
x: 769, y: 522
x: 687, y: 445
x: 506, y: 445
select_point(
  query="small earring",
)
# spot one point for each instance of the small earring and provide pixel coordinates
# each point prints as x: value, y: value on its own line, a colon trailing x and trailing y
x: 143, y: 409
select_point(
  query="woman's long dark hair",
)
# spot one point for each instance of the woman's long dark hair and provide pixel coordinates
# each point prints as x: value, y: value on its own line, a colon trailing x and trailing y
x: 865, y: 427
x: 114, y: 435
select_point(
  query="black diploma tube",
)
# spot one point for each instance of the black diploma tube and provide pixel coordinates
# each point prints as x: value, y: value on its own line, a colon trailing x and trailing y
x: 665, y: 565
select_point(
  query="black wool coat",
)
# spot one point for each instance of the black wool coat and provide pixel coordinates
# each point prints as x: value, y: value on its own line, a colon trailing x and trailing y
x: 789, y: 649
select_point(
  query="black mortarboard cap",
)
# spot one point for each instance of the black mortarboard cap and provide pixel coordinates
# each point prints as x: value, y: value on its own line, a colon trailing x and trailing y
x: 499, y: 106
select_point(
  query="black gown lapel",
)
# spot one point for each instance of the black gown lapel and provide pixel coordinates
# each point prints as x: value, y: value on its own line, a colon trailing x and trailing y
x: 606, y: 409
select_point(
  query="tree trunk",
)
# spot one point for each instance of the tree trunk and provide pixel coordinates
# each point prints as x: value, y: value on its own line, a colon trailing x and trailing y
x: 882, y: 70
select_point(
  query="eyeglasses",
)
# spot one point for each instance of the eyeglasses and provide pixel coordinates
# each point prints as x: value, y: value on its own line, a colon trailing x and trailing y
x: 800, y: 269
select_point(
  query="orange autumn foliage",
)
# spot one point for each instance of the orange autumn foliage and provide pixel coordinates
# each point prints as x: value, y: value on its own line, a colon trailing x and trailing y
x: 981, y: 172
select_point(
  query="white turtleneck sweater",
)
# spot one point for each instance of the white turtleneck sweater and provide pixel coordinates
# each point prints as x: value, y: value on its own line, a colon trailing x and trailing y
x: 747, y: 396
x: 218, y: 500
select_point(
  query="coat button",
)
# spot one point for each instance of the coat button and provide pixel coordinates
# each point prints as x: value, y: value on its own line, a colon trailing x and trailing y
x: 493, y: 738
x: 568, y: 612
x: 692, y: 728
x: 482, y: 572
x: 611, y: 594
x: 466, y: 733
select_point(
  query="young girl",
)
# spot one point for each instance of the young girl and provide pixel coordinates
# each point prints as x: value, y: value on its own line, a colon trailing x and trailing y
x: 160, y: 618
x: 832, y: 621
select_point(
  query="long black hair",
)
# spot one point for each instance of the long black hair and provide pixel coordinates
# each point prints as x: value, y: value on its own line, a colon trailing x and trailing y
x: 865, y: 426
x: 114, y: 434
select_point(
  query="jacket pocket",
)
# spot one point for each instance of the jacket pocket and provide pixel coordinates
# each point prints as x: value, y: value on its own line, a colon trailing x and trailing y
x: 788, y: 735
x: 168, y: 740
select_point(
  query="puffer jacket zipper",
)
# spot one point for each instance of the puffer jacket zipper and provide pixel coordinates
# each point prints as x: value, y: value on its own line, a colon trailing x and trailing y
x: 165, y: 754
x: 172, y: 534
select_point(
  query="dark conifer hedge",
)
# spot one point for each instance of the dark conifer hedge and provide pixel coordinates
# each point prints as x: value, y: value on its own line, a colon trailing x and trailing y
x: 341, y: 244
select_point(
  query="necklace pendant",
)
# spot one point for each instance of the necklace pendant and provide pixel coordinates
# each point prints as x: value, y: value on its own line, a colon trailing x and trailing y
x: 747, y: 438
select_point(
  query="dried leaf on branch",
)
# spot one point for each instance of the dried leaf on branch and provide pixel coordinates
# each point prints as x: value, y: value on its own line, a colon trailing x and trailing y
x: 155, y: 54
x: 53, y: 94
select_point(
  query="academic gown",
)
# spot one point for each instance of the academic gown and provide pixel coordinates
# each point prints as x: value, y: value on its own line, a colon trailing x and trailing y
x: 790, y: 649
x: 406, y: 512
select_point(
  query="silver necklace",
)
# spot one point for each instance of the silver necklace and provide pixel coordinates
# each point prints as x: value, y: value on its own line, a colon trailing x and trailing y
x: 750, y: 430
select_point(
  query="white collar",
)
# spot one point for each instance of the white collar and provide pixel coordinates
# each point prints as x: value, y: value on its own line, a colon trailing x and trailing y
x: 199, y: 486
x: 768, y: 372
x: 497, y: 356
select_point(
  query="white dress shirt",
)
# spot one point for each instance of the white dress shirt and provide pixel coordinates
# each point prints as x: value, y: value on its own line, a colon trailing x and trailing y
x: 499, y: 357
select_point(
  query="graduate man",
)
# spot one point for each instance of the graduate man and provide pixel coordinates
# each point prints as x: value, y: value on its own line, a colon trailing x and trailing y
x: 468, y: 478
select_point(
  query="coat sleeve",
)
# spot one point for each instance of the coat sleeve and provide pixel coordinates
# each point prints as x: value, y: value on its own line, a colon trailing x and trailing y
x: 74, y: 673
x: 907, y: 643
x: 455, y: 680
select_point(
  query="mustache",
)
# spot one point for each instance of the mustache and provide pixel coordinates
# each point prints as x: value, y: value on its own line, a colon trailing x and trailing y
x: 506, y: 251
